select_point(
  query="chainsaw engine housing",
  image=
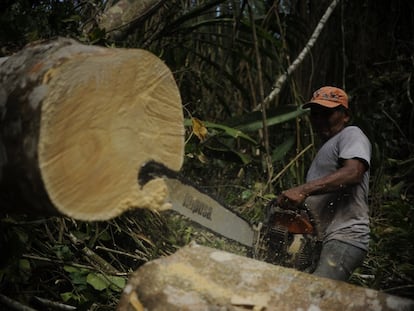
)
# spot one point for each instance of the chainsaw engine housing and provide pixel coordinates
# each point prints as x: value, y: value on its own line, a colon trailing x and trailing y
x: 291, y: 239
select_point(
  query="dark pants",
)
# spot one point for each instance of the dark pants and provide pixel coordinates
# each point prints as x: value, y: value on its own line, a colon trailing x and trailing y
x: 338, y: 260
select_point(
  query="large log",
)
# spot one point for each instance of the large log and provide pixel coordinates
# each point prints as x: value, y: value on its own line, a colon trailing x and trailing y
x: 78, y: 121
x: 201, y: 278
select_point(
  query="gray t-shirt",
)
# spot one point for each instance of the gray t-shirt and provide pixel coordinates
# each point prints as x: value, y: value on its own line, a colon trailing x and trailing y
x: 343, y: 215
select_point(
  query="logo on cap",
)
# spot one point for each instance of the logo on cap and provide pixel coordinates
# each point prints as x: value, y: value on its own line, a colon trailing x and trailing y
x: 328, y: 96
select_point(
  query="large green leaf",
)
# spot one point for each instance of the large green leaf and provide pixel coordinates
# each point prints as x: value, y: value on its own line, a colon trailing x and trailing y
x: 278, y: 119
x: 100, y: 282
x: 97, y: 281
x: 78, y: 275
x: 232, y: 132
x: 280, y: 151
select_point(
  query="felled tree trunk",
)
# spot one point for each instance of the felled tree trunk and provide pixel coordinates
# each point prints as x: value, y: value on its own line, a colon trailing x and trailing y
x: 201, y: 278
x: 78, y: 121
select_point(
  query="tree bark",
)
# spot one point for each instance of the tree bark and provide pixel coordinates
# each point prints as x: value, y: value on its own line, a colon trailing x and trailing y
x: 119, y: 18
x: 202, y: 278
x: 78, y: 121
x: 311, y: 42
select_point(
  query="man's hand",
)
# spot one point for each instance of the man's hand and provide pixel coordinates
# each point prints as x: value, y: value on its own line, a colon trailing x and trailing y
x: 351, y: 173
x: 291, y: 198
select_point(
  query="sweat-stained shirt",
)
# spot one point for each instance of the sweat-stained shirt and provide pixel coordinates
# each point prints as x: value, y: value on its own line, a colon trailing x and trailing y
x: 343, y: 215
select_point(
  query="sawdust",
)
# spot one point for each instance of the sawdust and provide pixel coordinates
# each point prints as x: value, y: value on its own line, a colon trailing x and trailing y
x: 152, y: 196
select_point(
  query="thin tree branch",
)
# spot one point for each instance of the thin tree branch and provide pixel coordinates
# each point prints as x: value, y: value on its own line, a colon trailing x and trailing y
x: 343, y: 46
x: 261, y: 94
x: 291, y: 162
x: 70, y: 263
x: 92, y: 257
x: 13, y: 304
x: 54, y: 305
x: 282, y: 79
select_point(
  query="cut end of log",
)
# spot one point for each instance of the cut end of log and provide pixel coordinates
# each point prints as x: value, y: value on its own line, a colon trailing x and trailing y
x: 104, y: 116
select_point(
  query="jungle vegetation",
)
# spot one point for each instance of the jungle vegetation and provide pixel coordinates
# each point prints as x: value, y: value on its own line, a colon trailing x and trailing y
x: 226, y: 57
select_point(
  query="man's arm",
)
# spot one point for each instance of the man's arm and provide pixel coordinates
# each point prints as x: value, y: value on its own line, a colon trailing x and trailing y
x: 350, y: 173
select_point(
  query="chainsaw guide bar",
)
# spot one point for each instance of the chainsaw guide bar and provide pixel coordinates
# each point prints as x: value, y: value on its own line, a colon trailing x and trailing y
x: 291, y: 238
x: 198, y: 206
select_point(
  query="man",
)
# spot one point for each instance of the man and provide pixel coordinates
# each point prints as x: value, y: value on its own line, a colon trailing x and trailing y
x: 336, y: 188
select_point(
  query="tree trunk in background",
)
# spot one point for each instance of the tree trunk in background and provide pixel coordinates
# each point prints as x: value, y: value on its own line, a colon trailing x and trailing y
x: 77, y: 122
x: 119, y: 18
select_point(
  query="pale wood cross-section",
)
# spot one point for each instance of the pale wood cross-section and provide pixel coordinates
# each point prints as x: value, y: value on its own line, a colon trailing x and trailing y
x: 79, y: 122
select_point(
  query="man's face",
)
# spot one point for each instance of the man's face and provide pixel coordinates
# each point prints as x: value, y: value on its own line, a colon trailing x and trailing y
x: 327, y: 122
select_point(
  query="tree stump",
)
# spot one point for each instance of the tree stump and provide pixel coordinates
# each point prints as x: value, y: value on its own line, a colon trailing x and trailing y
x: 78, y: 121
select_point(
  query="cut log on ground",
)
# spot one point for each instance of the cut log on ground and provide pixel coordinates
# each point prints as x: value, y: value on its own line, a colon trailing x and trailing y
x: 201, y: 278
x: 78, y: 121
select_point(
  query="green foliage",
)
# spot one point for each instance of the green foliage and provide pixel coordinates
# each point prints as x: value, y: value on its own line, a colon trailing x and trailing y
x: 100, y: 282
x: 209, y: 46
x: 81, y: 264
x: 25, y: 21
x: 388, y: 120
x: 390, y: 262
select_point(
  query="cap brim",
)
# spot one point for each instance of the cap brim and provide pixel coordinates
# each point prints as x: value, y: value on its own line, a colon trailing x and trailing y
x: 321, y: 102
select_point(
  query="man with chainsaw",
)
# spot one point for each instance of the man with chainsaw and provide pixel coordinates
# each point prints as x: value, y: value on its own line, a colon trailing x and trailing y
x: 336, y: 187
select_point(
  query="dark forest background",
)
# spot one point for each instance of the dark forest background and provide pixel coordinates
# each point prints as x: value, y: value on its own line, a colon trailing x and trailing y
x: 226, y: 57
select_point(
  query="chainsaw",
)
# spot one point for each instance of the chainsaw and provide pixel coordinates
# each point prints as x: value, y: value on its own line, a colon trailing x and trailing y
x: 290, y: 238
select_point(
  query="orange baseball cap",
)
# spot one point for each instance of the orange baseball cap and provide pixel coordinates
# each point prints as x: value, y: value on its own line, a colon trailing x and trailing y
x: 328, y: 96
